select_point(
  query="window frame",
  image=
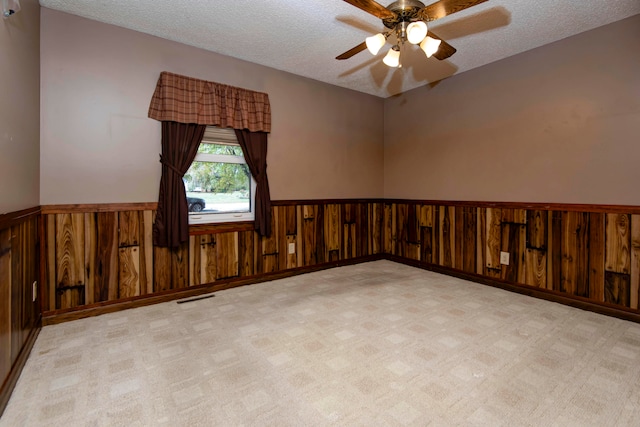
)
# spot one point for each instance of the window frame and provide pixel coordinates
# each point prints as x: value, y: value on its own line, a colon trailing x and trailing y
x: 203, y: 218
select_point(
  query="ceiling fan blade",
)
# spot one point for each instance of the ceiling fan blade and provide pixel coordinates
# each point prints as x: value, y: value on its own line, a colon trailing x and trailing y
x: 376, y: 9
x: 445, y: 50
x: 348, y: 54
x: 443, y: 8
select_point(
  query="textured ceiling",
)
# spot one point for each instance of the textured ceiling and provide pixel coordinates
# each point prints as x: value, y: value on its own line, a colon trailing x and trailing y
x: 304, y: 37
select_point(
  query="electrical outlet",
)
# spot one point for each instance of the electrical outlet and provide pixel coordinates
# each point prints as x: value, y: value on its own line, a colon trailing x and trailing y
x: 34, y: 294
x: 504, y: 258
x: 292, y: 248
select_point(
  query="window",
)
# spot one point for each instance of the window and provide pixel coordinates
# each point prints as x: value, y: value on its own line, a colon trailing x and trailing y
x: 219, y: 185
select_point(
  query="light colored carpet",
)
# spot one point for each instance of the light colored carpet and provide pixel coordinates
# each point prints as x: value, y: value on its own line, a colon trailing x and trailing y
x: 372, y: 344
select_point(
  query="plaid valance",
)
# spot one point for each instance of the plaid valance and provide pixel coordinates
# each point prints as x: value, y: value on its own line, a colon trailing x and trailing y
x: 187, y: 100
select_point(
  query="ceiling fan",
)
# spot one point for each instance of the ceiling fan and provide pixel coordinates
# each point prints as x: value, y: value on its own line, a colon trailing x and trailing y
x: 406, y: 21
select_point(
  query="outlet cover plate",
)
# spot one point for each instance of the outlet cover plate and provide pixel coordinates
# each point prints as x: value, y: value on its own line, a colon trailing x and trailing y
x: 292, y: 248
x: 504, y: 258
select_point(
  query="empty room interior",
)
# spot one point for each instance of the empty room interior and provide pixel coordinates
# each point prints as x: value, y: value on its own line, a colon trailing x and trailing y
x: 210, y: 216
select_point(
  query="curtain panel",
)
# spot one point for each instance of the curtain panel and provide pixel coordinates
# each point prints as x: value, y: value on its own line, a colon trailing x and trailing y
x: 188, y: 100
x: 254, y: 147
x: 186, y: 106
x: 180, y: 142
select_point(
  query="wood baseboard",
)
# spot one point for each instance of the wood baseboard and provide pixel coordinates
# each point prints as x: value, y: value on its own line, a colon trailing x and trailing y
x: 11, y: 379
x: 532, y: 291
x: 60, y: 316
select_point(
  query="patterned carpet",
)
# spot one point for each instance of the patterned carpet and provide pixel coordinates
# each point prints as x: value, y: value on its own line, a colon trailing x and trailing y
x: 372, y: 344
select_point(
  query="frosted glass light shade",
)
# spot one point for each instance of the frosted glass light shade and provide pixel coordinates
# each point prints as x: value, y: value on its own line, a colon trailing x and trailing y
x: 416, y: 32
x: 430, y: 46
x: 10, y: 7
x: 375, y: 43
x: 392, y: 59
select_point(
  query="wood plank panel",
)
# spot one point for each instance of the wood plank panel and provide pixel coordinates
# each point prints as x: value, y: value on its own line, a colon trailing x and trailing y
x: 5, y: 302
x: 596, y: 256
x: 388, y: 230
x: 459, y: 237
x: 51, y: 267
x: 494, y: 238
x: 469, y: 230
x: 617, y: 288
x: 283, y: 250
x: 634, y: 296
x: 320, y: 240
x: 162, y: 269
x: 70, y: 250
x: 514, y: 216
x: 309, y: 235
x: 575, y: 255
x: 269, y: 243
x: 537, y: 222
x: 291, y: 259
x: 180, y: 266
x: 426, y: 216
x: 617, y: 243
x: 554, y: 254
x: 435, y: 245
x: 362, y: 229
x: 413, y: 251
x: 128, y: 228
x: 332, y: 228
x: 535, y: 267
x: 348, y: 213
x: 481, y: 240
x: 18, y: 300
x: 194, y: 260
x: 70, y: 268
x: 245, y: 253
x: 376, y: 221
x: 208, y: 259
x: 349, y: 240
x: 270, y: 263
x: 90, y: 251
x: 299, y: 237
x: 129, y: 271
x: 401, y: 228
x: 447, y: 242
x: 106, y: 272
x: 426, y: 244
x: 227, y: 255
x: 514, y: 242
x: 146, y: 252
x: 291, y: 228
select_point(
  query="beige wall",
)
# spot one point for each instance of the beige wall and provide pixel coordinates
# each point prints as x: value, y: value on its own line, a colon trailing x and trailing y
x: 20, y: 108
x: 560, y: 123
x: 98, y: 146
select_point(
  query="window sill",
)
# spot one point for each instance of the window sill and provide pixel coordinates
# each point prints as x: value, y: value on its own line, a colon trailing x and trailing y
x: 220, y: 227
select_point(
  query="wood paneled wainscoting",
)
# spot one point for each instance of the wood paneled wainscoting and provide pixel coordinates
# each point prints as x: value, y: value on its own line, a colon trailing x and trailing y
x: 19, y: 310
x: 582, y: 255
x: 101, y: 258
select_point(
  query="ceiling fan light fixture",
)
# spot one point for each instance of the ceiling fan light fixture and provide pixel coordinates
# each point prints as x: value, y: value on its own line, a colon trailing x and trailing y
x: 392, y: 58
x: 375, y: 43
x: 430, y: 46
x: 416, y: 32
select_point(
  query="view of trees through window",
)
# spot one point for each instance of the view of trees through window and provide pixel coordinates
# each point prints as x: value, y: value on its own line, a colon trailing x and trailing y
x: 218, y: 180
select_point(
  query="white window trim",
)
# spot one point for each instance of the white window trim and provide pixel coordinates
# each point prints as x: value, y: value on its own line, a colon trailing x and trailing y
x: 213, y: 217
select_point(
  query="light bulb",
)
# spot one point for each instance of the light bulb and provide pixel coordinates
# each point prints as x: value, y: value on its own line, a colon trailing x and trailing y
x: 10, y: 7
x: 430, y: 46
x: 416, y: 32
x: 392, y: 59
x: 375, y: 43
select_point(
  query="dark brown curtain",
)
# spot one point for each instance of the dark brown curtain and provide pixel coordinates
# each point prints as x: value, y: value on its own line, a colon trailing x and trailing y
x: 180, y: 143
x: 254, y: 147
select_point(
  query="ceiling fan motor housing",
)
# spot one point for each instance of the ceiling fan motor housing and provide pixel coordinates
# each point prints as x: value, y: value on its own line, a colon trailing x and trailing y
x: 406, y: 11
